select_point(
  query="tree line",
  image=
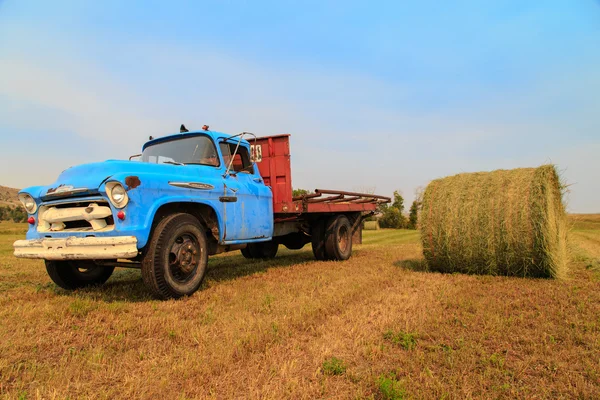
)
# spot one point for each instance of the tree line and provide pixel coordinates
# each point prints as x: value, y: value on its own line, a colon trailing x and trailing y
x: 14, y: 214
x: 392, y: 216
x: 389, y: 215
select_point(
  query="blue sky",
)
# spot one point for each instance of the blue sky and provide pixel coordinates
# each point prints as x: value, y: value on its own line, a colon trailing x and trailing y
x: 376, y: 95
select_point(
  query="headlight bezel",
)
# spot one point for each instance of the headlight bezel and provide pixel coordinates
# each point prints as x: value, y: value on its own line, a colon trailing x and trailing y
x: 113, y: 186
x: 26, y: 198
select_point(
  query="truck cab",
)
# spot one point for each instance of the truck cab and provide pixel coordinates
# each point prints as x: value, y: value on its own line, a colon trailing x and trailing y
x: 188, y: 196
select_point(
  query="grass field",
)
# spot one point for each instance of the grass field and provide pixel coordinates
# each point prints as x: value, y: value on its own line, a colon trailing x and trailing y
x: 378, y: 326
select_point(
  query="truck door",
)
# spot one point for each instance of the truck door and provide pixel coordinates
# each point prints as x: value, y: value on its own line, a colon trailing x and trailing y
x: 247, y: 202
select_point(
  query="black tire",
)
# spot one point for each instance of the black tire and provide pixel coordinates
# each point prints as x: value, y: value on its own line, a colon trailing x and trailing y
x: 338, y: 238
x: 246, y: 252
x: 261, y: 250
x: 266, y: 249
x: 318, y: 240
x: 177, y: 256
x: 73, y: 275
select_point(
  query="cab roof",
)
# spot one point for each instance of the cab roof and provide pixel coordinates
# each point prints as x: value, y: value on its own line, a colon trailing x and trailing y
x: 216, y: 136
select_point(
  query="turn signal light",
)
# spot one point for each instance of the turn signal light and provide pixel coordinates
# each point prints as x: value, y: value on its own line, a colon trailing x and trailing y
x: 31, y: 220
x: 121, y: 215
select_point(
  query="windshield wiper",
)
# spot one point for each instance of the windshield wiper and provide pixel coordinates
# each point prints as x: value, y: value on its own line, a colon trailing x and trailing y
x: 173, y: 162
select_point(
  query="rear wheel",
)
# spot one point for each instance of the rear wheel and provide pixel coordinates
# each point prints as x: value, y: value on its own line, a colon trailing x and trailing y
x: 338, y: 238
x: 73, y: 275
x: 177, y: 256
x: 318, y: 240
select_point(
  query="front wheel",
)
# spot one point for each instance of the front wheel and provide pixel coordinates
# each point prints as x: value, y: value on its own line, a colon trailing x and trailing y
x: 177, y: 256
x: 73, y: 275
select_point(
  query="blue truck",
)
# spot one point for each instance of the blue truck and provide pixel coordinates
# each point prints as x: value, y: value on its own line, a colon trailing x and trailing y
x: 189, y: 195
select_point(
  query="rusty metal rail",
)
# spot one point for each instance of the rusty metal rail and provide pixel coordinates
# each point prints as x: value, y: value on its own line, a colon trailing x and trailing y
x: 338, y: 197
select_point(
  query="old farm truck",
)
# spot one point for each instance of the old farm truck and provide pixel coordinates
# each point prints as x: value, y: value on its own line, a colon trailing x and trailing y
x: 190, y: 195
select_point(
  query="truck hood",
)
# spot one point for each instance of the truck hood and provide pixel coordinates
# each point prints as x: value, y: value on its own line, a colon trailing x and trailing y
x: 92, y: 176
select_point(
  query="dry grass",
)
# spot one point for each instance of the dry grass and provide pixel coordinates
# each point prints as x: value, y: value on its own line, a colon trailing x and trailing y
x: 504, y: 222
x: 377, y: 326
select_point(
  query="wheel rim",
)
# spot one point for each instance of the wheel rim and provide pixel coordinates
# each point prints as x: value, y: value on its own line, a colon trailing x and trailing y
x: 343, y: 238
x: 184, y: 257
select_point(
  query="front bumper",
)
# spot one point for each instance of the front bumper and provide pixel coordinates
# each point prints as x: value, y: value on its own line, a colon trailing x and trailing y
x: 75, y: 248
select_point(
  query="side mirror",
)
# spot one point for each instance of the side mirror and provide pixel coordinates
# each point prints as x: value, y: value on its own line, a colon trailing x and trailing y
x: 135, y: 157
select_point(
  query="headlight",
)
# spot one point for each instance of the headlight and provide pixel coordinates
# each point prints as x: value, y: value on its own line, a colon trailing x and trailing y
x: 28, y: 202
x: 117, y: 194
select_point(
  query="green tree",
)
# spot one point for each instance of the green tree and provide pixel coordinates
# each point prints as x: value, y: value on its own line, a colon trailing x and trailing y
x: 381, y: 207
x: 299, y: 192
x: 398, y: 201
x: 393, y: 216
x: 413, y: 215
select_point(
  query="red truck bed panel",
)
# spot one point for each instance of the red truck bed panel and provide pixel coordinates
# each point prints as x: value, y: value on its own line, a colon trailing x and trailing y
x: 275, y: 167
x: 276, y: 170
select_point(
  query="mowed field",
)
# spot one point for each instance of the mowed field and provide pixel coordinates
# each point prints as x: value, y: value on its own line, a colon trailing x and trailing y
x: 378, y: 326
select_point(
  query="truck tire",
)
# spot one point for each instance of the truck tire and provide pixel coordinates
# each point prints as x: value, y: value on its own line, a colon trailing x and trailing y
x: 176, y: 258
x: 246, y: 252
x: 73, y: 275
x: 318, y: 240
x: 266, y: 249
x: 338, y: 238
x: 260, y: 250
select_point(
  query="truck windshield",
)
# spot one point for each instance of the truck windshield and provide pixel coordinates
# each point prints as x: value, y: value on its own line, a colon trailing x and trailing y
x: 198, y: 150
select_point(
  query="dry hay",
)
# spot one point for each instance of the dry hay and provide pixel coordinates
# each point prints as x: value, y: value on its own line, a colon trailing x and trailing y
x: 505, y: 222
x: 371, y: 226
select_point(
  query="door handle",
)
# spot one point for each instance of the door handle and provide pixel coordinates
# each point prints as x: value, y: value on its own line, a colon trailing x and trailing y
x: 257, y: 180
x: 228, y: 199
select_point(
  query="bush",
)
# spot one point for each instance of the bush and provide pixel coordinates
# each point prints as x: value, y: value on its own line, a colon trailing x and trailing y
x: 392, y: 218
x: 299, y: 192
x: 14, y: 214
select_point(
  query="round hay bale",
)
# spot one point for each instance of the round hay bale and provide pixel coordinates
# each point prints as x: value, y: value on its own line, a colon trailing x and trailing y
x: 505, y: 222
x: 371, y: 226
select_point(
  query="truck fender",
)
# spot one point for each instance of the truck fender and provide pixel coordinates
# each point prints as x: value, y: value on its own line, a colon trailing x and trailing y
x: 192, y: 206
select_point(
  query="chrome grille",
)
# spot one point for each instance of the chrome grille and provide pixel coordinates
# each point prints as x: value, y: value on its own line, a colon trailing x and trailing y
x: 93, y: 215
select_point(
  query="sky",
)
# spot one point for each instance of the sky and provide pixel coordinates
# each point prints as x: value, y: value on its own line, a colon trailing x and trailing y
x: 378, y: 96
